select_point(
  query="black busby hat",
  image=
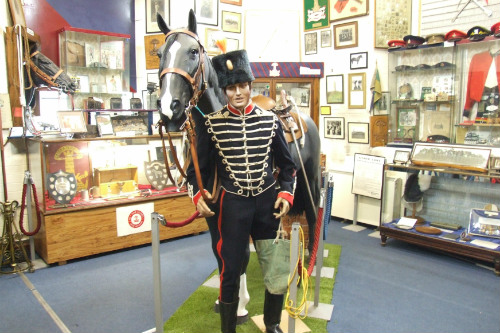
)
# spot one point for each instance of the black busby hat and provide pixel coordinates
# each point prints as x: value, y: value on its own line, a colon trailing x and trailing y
x: 412, y: 191
x: 233, y: 67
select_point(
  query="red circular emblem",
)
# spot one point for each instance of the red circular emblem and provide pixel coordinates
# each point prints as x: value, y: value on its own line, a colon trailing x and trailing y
x: 136, y: 219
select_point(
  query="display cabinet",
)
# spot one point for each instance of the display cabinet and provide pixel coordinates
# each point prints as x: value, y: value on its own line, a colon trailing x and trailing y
x: 478, y: 119
x: 99, y: 62
x: 84, y: 186
x: 423, y: 88
x: 442, y: 219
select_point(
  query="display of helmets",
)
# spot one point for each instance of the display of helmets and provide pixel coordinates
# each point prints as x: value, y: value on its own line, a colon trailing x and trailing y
x: 413, y: 41
x: 422, y: 66
x: 477, y: 33
x: 444, y: 64
x: 495, y: 30
x: 401, y: 68
x: 396, y: 43
x: 434, y: 39
x: 455, y: 35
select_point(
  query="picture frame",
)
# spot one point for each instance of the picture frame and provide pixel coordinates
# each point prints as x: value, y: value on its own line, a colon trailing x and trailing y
x: 114, y: 83
x: 358, y: 132
x: 401, y: 156
x: 152, y: 44
x: 463, y: 157
x: 113, y: 54
x: 359, y: 60
x: 232, y: 2
x: 335, y: 89
x: 211, y: 35
x: 84, y: 83
x: 232, y: 44
x: 104, y: 124
x: 316, y: 14
x: 406, y: 123
x: 326, y: 110
x: 311, y: 43
x: 357, y: 91
x: 345, y: 35
x: 91, y: 55
x: 17, y: 13
x: 207, y: 12
x: 384, y: 103
x: 340, y: 10
x: 326, y: 38
x: 71, y: 122
x: 231, y: 21
x: 334, y: 128
x: 389, y: 23
x: 152, y: 8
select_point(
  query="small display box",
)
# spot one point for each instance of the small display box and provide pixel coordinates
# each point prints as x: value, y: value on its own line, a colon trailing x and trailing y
x: 484, y: 223
x: 113, y: 181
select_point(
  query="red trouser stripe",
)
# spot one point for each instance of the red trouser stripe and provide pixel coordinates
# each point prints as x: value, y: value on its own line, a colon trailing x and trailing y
x: 219, y: 243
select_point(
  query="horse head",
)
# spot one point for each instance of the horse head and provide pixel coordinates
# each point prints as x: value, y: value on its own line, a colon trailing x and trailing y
x: 185, y: 73
x: 45, y: 72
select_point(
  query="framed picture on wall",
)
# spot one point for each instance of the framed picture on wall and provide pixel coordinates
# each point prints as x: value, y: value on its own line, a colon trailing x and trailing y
x: 151, y: 45
x: 232, y: 44
x: 384, y: 103
x: 345, y: 35
x: 71, y: 122
x: 358, y: 132
x: 341, y: 10
x: 390, y: 23
x: 316, y: 14
x: 152, y: 8
x: 311, y: 43
x: 232, y: 2
x: 326, y: 38
x: 335, y: 89
x: 207, y: 11
x: 334, y: 128
x: 357, y: 91
x: 210, y: 41
x: 231, y: 22
x: 359, y: 60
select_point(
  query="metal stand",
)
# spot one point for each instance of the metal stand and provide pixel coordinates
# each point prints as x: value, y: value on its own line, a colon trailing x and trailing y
x: 155, y: 245
x: 13, y: 256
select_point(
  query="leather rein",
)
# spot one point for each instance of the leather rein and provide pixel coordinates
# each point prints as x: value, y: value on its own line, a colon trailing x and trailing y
x: 50, y: 80
x: 198, y: 86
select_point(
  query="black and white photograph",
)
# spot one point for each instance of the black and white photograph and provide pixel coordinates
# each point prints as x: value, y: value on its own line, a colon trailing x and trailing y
x: 152, y: 8
x: 326, y: 38
x: 311, y: 43
x: 359, y: 60
x: 334, y: 128
x: 207, y: 11
x: 358, y: 132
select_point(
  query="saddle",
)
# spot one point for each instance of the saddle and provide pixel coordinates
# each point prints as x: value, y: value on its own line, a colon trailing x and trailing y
x: 289, y: 119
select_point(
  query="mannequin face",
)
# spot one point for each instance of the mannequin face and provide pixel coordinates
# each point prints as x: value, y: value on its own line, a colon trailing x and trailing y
x: 238, y: 95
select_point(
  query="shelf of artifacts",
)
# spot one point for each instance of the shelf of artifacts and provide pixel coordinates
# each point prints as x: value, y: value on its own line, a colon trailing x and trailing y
x: 480, y: 241
x: 85, y: 185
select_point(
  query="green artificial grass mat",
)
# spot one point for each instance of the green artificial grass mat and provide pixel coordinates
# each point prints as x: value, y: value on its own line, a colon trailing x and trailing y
x: 196, y: 315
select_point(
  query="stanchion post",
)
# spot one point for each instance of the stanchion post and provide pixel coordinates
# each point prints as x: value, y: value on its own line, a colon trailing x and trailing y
x: 155, y: 245
x: 321, y: 245
x: 294, y: 257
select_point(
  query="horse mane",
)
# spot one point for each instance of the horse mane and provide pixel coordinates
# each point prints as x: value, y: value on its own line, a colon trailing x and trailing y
x: 212, y: 77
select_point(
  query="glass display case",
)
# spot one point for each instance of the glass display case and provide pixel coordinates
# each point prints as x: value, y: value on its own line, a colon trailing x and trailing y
x: 478, y: 119
x: 423, y: 87
x: 99, y: 62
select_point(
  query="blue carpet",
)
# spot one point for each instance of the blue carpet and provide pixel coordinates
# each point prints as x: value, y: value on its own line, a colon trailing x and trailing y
x: 403, y: 288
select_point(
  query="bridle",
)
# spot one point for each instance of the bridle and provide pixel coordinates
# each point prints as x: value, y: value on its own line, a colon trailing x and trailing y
x: 198, y: 86
x: 50, y: 80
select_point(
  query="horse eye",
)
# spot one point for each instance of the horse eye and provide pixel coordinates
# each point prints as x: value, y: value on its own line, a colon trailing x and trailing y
x: 194, y: 52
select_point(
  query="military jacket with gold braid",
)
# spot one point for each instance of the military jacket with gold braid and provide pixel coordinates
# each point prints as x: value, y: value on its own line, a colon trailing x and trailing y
x: 243, y: 147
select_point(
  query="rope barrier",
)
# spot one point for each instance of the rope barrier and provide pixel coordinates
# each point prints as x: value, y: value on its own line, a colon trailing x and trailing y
x: 37, y: 207
x: 182, y: 223
x: 317, y: 232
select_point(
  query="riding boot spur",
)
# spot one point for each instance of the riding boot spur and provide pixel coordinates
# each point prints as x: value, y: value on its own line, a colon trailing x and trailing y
x: 228, y: 316
x: 273, y: 305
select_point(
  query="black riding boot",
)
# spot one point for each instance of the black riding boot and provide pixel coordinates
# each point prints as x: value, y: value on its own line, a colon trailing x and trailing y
x: 228, y: 316
x: 273, y: 304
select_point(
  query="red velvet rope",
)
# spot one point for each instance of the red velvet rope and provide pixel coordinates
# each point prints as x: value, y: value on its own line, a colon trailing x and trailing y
x: 37, y: 208
x: 317, y: 233
x: 182, y: 223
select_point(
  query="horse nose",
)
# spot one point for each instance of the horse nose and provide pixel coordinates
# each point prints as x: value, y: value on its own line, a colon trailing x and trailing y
x: 175, y: 105
x: 158, y: 104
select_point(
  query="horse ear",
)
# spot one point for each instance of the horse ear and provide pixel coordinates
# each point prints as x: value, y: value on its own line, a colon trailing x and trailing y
x: 161, y: 24
x: 192, y: 22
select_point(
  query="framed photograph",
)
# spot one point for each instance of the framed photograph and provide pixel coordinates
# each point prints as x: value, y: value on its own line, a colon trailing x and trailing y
x: 407, y: 123
x: 153, y: 7
x: 335, y: 89
x: 326, y: 38
x: 390, y: 23
x: 211, y: 36
x: 231, y: 22
x: 384, y: 103
x: 17, y: 12
x: 357, y: 91
x: 232, y: 2
x: 113, y: 54
x: 359, y: 60
x: 341, y: 10
x: 316, y: 14
x: 301, y: 96
x: 71, y: 122
x: 232, y: 44
x: 326, y: 110
x: 207, y: 11
x: 401, y: 156
x: 345, y: 35
x: 311, y: 43
x: 334, y: 128
x: 358, y: 132
x: 462, y: 157
x: 104, y: 125
x: 152, y: 44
